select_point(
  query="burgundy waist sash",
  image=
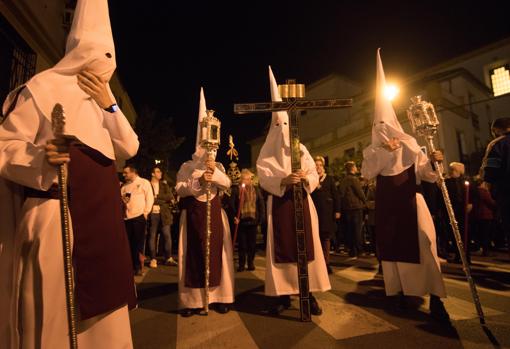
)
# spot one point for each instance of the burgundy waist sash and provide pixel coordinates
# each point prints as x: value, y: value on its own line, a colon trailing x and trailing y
x: 284, y: 228
x: 196, y: 229
x: 101, y: 257
x: 396, y: 220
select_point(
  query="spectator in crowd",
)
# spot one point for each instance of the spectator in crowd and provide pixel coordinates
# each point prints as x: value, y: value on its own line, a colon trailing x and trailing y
x: 370, y: 221
x: 138, y: 201
x: 327, y: 203
x: 252, y: 213
x: 434, y: 199
x: 483, y: 215
x: 353, y: 204
x: 161, y: 215
x: 496, y: 170
x: 455, y: 183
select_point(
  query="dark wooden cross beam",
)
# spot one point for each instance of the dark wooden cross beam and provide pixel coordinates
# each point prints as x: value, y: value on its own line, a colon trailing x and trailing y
x: 293, y: 103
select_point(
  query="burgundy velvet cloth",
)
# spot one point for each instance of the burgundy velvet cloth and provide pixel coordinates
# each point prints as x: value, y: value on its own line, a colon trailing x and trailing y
x: 396, y: 220
x: 284, y: 228
x: 196, y: 214
x: 101, y: 257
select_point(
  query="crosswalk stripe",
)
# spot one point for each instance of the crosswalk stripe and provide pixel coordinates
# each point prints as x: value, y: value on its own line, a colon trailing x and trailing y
x: 341, y: 320
x: 460, y: 309
x: 206, y: 332
x: 478, y: 287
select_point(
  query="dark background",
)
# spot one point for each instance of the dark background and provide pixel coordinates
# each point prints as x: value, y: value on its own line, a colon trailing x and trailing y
x: 166, y: 50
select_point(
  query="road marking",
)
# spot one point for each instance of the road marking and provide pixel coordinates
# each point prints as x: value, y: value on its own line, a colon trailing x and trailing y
x: 478, y: 287
x: 460, y: 309
x: 213, y: 331
x: 355, y: 274
x: 341, y: 320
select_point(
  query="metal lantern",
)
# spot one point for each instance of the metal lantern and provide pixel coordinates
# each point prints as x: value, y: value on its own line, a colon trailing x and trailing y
x: 210, y: 131
x: 423, y: 117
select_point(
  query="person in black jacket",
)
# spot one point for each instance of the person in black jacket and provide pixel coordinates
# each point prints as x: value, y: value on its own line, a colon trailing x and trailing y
x: 455, y: 183
x: 161, y: 215
x: 496, y: 170
x: 353, y: 204
x: 251, y: 215
x: 327, y: 203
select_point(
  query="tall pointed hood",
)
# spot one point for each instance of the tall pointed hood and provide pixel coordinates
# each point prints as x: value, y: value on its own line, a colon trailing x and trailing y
x: 275, y: 152
x: 202, y: 108
x: 384, y: 113
x: 89, y: 46
x: 385, y: 127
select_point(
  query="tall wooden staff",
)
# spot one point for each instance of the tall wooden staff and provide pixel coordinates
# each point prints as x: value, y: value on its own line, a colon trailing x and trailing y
x: 210, y: 141
x: 424, y: 122
x: 58, y: 126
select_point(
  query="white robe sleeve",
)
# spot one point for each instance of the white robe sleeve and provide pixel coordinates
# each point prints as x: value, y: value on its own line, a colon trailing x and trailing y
x: 220, y: 178
x: 22, y: 157
x: 269, y: 182
x: 124, y: 139
x: 184, y: 183
x: 375, y: 159
x: 424, y: 170
x: 149, y: 197
x: 188, y: 180
x: 308, y: 165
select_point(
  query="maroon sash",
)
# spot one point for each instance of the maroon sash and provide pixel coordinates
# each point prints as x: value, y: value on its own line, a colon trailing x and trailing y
x: 101, y: 257
x: 396, y: 220
x: 196, y: 241
x: 284, y: 228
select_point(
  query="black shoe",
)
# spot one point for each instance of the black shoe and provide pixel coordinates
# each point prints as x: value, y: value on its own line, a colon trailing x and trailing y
x: 276, y: 309
x: 282, y: 304
x: 251, y: 267
x: 330, y: 270
x: 401, y: 302
x: 222, y: 308
x: 315, y: 309
x: 285, y: 301
x: 187, y: 312
x: 240, y: 268
x: 438, y: 311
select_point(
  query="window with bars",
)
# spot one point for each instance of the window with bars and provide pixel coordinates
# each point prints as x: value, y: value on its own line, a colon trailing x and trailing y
x: 17, y: 59
x: 500, y: 80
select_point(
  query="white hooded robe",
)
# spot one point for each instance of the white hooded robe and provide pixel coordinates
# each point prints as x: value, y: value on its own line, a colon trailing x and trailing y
x: 273, y: 164
x: 33, y: 291
x: 188, y: 185
x: 412, y: 279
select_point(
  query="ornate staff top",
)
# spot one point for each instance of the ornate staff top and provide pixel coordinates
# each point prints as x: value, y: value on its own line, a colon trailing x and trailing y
x: 58, y: 120
x: 233, y: 171
x: 423, y: 117
x: 210, y: 131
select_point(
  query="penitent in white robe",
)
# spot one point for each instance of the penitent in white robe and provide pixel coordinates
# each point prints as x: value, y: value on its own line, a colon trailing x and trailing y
x: 188, y: 185
x: 33, y: 291
x: 282, y: 278
x: 410, y: 278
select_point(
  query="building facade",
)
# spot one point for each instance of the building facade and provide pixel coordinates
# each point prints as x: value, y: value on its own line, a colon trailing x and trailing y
x: 32, y: 39
x: 468, y: 92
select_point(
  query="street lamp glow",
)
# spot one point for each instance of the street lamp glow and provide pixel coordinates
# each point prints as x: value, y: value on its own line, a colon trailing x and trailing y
x: 390, y: 92
x: 157, y: 161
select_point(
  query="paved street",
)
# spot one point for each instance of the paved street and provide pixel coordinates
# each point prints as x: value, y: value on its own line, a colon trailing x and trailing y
x: 356, y: 313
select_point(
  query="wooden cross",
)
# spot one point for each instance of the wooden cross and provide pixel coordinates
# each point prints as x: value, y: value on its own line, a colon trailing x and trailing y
x: 293, y: 102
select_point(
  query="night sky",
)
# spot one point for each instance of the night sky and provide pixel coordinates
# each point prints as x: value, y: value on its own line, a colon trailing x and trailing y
x: 166, y: 50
